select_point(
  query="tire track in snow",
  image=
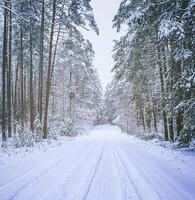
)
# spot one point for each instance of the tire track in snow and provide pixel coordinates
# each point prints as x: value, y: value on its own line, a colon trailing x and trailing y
x: 124, y: 186
x: 159, y: 176
x: 46, y: 173
x: 126, y: 192
x: 40, y: 174
x: 61, y: 192
x: 119, y: 160
x: 30, y: 171
x: 137, y: 178
x: 94, y: 174
x: 106, y: 177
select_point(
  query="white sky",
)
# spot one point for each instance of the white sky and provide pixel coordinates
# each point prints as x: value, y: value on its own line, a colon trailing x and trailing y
x: 104, y: 11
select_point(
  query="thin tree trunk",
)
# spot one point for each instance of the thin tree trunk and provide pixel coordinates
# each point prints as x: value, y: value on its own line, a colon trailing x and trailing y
x: 25, y: 94
x: 154, y: 118
x: 15, y: 105
x: 31, y: 76
x: 162, y: 93
x: 142, y: 114
x: 53, y: 98
x: 179, y: 122
x: 180, y: 96
x: 171, y: 129
x: 41, y: 61
x: 64, y: 103
x: 45, y: 131
x: 70, y: 96
x: 170, y: 120
x: 22, y: 76
x: 4, y: 68
x: 9, y: 84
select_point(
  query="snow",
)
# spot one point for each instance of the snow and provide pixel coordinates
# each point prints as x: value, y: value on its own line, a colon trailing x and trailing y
x: 168, y: 27
x: 105, y: 164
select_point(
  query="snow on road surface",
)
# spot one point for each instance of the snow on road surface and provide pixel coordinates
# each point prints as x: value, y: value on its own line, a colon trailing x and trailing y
x: 104, y: 165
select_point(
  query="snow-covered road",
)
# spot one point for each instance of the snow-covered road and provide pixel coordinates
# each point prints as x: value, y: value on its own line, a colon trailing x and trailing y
x: 105, y: 165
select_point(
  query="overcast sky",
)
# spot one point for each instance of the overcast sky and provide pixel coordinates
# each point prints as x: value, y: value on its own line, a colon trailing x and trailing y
x: 104, y: 11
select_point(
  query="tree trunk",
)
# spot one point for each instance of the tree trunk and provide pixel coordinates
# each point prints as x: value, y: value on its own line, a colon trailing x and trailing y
x: 31, y: 76
x: 22, y: 76
x: 4, y: 68
x: 15, y: 104
x: 50, y: 72
x: 70, y: 96
x: 154, y: 118
x: 64, y: 102
x: 179, y: 122
x: 142, y: 114
x: 166, y: 136
x: 171, y: 129
x: 180, y: 96
x: 9, y: 84
x: 45, y: 131
x: 41, y: 61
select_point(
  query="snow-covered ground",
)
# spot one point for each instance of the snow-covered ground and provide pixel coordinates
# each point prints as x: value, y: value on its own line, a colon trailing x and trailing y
x: 104, y: 165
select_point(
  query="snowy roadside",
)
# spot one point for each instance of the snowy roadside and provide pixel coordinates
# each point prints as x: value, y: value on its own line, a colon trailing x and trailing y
x: 11, y: 153
x: 157, y: 138
x: 179, y: 157
x: 173, y: 145
x: 166, y: 150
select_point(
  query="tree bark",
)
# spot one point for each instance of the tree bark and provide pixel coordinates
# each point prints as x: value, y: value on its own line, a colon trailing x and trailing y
x: 4, y: 68
x: 22, y: 76
x: 142, y: 113
x: 41, y: 61
x: 15, y: 104
x: 171, y: 129
x: 154, y: 118
x: 180, y: 96
x: 31, y: 76
x: 9, y: 84
x: 166, y: 136
x: 45, y: 131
